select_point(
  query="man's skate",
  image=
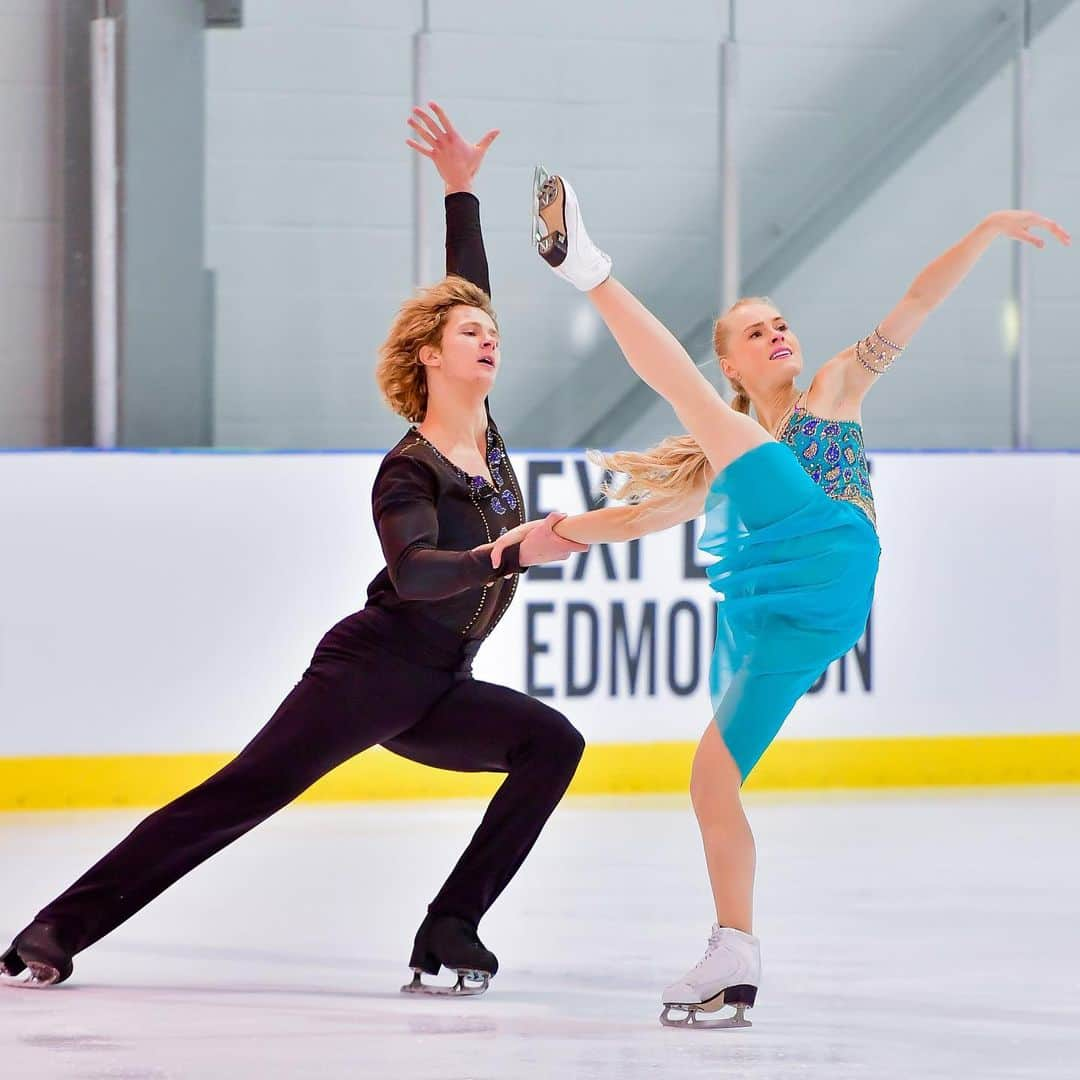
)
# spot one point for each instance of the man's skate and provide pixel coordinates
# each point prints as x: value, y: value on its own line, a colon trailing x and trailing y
x: 37, y: 952
x: 447, y: 941
x: 728, y: 974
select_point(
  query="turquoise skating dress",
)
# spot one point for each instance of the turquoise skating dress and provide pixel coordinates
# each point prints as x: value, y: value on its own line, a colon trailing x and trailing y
x: 792, y: 523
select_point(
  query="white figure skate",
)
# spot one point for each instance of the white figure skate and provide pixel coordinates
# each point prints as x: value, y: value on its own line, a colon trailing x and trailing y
x: 728, y: 974
x: 560, y: 236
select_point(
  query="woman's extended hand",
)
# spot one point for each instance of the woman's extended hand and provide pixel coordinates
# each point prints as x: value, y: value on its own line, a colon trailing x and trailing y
x: 1018, y: 224
x: 456, y: 159
x: 513, y: 536
x: 539, y: 543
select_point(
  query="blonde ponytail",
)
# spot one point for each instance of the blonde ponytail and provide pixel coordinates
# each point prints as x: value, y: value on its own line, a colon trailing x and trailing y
x: 667, y: 471
x: 741, y: 401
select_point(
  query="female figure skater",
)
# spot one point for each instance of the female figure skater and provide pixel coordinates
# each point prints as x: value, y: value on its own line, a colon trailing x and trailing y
x: 789, y: 512
x: 397, y: 673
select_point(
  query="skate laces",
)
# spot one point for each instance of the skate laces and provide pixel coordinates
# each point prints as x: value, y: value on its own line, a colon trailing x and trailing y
x: 714, y: 944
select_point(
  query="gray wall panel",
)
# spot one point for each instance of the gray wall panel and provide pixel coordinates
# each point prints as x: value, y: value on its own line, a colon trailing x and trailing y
x: 30, y: 215
x: 310, y: 212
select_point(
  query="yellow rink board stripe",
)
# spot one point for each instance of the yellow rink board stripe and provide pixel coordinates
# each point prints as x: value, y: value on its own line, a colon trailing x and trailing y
x: 53, y: 783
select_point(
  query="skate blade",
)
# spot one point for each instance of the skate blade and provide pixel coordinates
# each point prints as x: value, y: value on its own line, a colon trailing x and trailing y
x: 11, y: 965
x: 540, y: 178
x: 690, y: 1019
x: 469, y: 983
x: 35, y: 977
x: 549, y: 218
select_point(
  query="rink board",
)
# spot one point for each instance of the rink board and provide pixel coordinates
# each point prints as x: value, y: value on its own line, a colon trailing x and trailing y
x: 157, y: 607
x: 607, y: 769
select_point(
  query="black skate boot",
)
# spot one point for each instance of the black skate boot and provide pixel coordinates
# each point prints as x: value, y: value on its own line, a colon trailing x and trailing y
x: 37, y: 949
x: 447, y: 941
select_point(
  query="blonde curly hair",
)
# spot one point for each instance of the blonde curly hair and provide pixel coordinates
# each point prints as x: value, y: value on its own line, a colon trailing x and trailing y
x: 420, y: 321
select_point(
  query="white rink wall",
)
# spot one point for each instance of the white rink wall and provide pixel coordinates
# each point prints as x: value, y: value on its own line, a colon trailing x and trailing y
x: 166, y: 602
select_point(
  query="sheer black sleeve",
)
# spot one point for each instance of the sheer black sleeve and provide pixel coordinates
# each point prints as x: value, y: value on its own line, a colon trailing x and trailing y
x: 403, y: 501
x: 465, y: 255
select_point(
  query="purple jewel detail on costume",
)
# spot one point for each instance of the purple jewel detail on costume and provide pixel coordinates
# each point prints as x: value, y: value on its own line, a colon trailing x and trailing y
x: 511, y: 499
x: 494, y: 456
x: 476, y: 483
x: 498, y: 505
x: 497, y: 477
x: 503, y: 531
x: 833, y: 455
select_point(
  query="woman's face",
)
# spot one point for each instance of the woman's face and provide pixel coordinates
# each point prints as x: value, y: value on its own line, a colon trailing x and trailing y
x: 761, y: 351
x: 469, y: 350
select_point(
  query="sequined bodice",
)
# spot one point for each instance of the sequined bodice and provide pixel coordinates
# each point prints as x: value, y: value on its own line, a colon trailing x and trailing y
x: 834, y: 456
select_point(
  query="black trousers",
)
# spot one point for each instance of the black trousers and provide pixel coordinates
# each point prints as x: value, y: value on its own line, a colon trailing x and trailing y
x: 355, y: 694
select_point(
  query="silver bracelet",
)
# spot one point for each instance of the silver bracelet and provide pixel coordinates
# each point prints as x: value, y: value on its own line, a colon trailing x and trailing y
x: 859, y: 345
x: 886, y: 341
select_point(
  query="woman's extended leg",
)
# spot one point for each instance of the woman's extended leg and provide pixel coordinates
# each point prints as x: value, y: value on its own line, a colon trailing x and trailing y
x: 649, y: 347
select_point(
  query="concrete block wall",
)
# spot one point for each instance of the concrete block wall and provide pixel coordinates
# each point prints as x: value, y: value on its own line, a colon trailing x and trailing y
x: 1055, y: 273
x: 954, y: 388
x: 310, y: 216
x: 30, y: 185
x: 309, y: 191
x: 310, y: 186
